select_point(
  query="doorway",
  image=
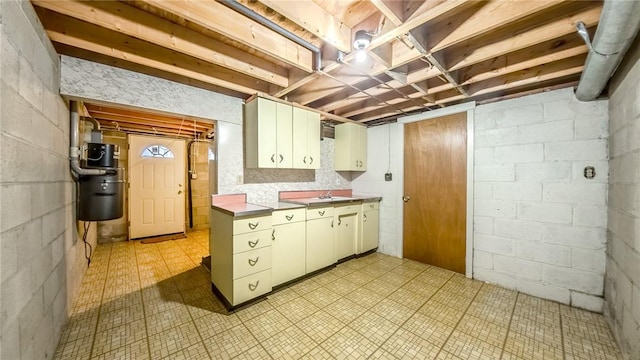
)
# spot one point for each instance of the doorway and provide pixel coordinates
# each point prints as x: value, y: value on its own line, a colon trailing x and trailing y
x: 156, y: 186
x: 435, y: 191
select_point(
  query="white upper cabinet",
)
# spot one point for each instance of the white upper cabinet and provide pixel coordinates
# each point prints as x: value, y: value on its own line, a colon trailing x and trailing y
x: 306, y: 139
x: 269, y: 134
x: 350, y: 147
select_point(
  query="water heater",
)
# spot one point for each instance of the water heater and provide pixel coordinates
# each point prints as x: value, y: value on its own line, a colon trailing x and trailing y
x: 101, y: 197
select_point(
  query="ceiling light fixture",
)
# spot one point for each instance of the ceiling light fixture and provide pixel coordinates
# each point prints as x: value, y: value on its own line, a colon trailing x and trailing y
x: 360, y: 43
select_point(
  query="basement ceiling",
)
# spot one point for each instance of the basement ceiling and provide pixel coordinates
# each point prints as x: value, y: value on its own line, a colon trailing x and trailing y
x: 423, y: 55
x: 136, y: 121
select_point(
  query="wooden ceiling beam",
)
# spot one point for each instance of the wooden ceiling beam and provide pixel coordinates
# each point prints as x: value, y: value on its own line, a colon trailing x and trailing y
x: 146, y: 114
x: 416, y: 20
x: 472, y: 54
x: 313, y: 18
x: 483, y: 19
x: 547, y: 52
x: 218, y: 18
x: 82, y: 35
x: 128, y: 20
x: 558, y: 69
x: 108, y: 125
x: 129, y: 120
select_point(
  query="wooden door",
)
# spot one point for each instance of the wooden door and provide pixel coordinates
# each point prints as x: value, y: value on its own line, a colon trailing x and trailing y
x: 156, y: 192
x: 435, y: 187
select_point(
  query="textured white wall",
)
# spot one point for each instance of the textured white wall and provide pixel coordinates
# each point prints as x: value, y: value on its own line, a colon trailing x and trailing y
x: 42, y: 259
x: 622, y: 285
x: 540, y: 226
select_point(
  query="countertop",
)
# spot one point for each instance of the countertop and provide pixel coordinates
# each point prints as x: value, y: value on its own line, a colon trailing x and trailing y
x: 280, y: 205
x: 242, y: 209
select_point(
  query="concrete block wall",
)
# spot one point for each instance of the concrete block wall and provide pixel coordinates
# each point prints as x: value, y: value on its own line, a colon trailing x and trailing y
x: 539, y: 224
x: 622, y: 284
x: 42, y: 259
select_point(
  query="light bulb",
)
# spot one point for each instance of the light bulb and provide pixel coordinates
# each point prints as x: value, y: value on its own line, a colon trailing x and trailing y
x: 361, y: 55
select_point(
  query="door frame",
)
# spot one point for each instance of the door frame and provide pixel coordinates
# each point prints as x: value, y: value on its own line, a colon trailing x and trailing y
x: 465, y: 107
x: 184, y: 175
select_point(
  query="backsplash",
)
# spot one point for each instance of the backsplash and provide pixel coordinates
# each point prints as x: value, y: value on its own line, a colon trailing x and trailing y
x: 262, y: 185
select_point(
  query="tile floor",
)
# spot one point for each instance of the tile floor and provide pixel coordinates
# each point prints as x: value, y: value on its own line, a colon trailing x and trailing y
x: 153, y: 301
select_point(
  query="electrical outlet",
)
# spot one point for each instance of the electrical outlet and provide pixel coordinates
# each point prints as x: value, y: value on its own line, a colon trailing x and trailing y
x: 388, y: 176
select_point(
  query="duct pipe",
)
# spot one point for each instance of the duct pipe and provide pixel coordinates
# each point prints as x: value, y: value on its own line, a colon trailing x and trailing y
x: 618, y: 26
x: 94, y: 122
x: 238, y: 7
x: 74, y: 144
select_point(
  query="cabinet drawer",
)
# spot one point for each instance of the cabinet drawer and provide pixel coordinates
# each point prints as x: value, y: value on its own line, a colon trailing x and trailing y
x: 288, y: 216
x: 348, y: 209
x: 318, y: 213
x: 241, y: 226
x: 252, y: 286
x: 251, y: 241
x: 367, y: 206
x: 250, y: 262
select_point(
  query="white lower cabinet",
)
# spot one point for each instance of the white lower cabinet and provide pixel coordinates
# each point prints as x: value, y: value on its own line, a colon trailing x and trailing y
x: 320, y: 251
x: 370, y: 227
x: 347, y: 220
x: 240, y: 251
x: 288, y: 238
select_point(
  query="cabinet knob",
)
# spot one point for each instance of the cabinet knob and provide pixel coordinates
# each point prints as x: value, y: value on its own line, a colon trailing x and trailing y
x: 253, y: 243
x: 254, y: 262
x: 289, y: 217
x: 364, y: 218
x: 311, y: 157
x: 281, y: 157
x: 321, y: 212
x: 331, y: 223
x: 273, y: 160
x: 304, y: 160
x: 339, y: 221
x: 406, y: 198
x: 273, y: 235
x: 253, y: 226
x: 254, y: 287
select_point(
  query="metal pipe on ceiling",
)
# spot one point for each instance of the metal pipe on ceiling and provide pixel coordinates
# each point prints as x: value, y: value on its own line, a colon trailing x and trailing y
x: 238, y: 7
x: 618, y: 26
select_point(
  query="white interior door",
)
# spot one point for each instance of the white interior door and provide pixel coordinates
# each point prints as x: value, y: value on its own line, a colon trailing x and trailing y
x: 157, y: 186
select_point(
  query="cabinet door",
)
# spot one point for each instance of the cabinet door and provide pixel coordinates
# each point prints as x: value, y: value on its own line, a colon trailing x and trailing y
x: 370, y: 225
x: 299, y: 147
x: 320, y: 244
x: 289, y: 256
x: 361, y: 148
x: 313, y: 139
x: 260, y: 132
x: 284, y: 130
x: 346, y: 235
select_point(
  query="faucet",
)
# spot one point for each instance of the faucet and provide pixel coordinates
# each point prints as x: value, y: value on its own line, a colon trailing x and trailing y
x: 327, y: 195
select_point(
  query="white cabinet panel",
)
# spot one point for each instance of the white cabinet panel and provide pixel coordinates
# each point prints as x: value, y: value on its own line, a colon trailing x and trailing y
x: 306, y: 139
x: 289, y: 252
x: 320, y: 244
x: 268, y: 134
x: 350, y: 147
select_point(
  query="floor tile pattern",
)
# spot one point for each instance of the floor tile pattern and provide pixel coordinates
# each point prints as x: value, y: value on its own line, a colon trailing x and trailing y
x: 154, y: 301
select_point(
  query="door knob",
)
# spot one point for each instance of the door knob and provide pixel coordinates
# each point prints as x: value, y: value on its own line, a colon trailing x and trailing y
x: 179, y: 192
x: 406, y: 198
